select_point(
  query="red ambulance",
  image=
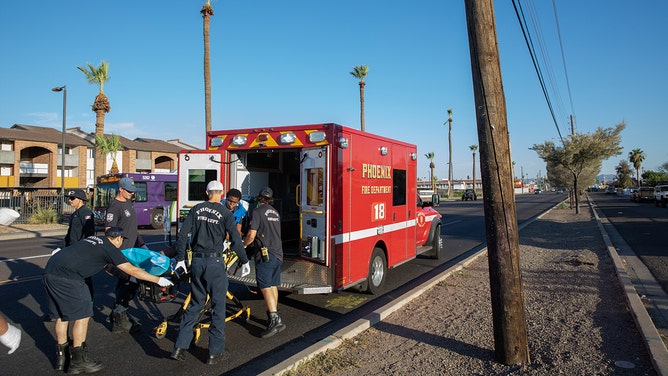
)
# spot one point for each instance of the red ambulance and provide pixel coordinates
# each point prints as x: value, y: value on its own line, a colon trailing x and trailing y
x: 348, y: 199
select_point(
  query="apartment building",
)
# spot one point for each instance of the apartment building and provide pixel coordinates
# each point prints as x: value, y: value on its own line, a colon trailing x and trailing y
x: 31, y: 156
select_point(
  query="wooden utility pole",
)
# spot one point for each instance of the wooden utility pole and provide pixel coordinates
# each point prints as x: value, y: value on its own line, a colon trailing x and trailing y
x: 510, y: 336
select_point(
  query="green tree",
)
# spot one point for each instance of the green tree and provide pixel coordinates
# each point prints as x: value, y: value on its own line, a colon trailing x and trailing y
x: 581, y: 152
x: 623, y: 170
x: 207, y: 12
x: 110, y: 145
x: 652, y: 178
x: 98, y: 76
x: 360, y: 73
x: 430, y: 156
x: 637, y: 157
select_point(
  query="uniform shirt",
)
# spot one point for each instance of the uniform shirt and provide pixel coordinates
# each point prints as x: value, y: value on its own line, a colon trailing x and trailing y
x: 240, y: 211
x: 267, y: 222
x: 122, y: 214
x: 84, y: 258
x: 209, y: 223
x: 82, y: 225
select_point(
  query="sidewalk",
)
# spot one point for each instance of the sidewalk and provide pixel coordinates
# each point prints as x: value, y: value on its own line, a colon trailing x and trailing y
x: 25, y: 231
x: 583, y: 316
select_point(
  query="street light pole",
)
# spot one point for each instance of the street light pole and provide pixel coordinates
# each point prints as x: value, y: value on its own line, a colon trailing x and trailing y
x: 62, y: 163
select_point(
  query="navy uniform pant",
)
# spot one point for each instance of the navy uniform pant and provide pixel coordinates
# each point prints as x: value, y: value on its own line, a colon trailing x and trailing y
x: 208, y: 277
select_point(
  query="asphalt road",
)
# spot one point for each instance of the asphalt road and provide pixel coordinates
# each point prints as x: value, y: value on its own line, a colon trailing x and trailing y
x: 643, y: 226
x: 309, y: 317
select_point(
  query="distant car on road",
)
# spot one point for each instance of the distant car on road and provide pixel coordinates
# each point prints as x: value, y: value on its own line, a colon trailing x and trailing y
x: 610, y: 191
x: 661, y: 195
x: 560, y: 191
x: 537, y: 191
x: 644, y: 194
x: 469, y: 194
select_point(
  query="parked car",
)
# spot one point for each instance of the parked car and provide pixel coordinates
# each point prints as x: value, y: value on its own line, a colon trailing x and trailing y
x: 610, y: 191
x: 661, y: 195
x: 469, y: 194
x: 644, y: 194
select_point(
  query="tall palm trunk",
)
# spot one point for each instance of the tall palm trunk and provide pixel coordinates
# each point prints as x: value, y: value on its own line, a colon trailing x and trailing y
x: 100, y: 107
x: 207, y: 12
x: 362, y: 84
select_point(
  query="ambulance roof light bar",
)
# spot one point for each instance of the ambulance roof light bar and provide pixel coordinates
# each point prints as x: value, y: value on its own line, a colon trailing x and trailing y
x: 239, y: 140
x: 215, y: 142
x: 287, y: 138
x: 317, y: 137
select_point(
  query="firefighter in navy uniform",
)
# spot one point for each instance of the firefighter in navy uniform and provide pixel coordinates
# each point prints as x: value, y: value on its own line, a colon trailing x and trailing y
x: 265, y: 226
x: 82, y: 224
x: 208, y: 224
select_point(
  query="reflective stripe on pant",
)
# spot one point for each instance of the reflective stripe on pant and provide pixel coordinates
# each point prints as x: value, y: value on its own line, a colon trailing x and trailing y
x: 208, y: 277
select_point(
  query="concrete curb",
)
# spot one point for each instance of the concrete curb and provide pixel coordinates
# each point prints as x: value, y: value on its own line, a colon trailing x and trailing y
x: 27, y: 234
x: 653, y: 342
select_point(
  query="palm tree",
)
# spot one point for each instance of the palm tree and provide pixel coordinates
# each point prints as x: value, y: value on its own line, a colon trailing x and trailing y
x: 207, y: 12
x: 98, y: 76
x: 111, y: 144
x: 430, y: 156
x: 360, y: 73
x: 449, y: 122
x: 473, y: 150
x: 636, y: 157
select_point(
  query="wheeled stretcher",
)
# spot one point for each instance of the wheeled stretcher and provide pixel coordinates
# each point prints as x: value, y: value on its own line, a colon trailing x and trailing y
x: 238, y: 309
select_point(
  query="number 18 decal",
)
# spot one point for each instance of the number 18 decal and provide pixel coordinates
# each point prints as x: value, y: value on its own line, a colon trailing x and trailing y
x: 378, y: 209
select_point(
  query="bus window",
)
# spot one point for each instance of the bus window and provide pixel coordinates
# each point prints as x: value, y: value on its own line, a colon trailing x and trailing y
x: 141, y: 194
x: 170, y: 191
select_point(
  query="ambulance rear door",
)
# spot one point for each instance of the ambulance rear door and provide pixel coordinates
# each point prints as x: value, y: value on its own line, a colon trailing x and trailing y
x: 313, y: 193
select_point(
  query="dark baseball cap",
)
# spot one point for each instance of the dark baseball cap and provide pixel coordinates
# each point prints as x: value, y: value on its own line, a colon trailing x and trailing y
x: 266, y: 192
x: 78, y: 193
x: 114, y: 232
x: 127, y: 184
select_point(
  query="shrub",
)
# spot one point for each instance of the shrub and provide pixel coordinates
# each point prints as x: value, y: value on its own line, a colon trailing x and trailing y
x: 44, y: 216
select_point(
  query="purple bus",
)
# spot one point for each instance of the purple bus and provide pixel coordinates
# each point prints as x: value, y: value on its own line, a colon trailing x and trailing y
x: 154, y: 192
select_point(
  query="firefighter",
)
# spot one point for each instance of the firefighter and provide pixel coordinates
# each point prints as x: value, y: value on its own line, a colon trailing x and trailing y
x: 121, y: 213
x: 68, y: 296
x: 82, y: 224
x: 208, y: 224
x: 265, y: 226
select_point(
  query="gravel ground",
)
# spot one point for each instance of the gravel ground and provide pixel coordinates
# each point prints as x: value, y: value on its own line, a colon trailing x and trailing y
x: 577, y: 319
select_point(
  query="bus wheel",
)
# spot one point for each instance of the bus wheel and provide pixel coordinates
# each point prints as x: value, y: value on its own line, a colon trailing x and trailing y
x: 436, y: 244
x: 157, y: 218
x: 377, y: 271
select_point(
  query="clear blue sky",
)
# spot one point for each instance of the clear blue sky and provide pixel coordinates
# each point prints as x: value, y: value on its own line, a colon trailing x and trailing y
x: 288, y: 62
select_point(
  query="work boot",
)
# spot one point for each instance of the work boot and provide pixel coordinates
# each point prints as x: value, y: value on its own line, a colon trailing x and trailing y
x: 120, y: 323
x: 275, y: 325
x: 62, y: 355
x: 80, y: 363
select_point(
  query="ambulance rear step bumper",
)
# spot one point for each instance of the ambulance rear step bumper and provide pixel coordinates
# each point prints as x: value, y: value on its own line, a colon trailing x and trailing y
x: 297, y: 276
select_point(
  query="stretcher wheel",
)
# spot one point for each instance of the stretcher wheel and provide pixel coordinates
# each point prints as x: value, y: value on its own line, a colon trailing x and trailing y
x: 161, y: 330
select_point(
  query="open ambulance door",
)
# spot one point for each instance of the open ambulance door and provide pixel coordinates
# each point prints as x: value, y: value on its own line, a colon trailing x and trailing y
x: 313, y: 193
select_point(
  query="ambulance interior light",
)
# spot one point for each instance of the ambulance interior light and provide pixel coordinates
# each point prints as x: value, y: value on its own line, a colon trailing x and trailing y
x: 287, y: 138
x: 217, y: 141
x: 383, y: 150
x: 317, y: 137
x: 343, y: 142
x: 239, y: 140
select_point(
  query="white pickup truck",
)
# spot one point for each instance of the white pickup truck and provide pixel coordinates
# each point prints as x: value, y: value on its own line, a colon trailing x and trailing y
x: 661, y: 195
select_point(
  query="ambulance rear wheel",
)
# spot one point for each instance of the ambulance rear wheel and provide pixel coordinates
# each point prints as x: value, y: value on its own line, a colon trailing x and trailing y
x: 157, y: 218
x: 377, y: 271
